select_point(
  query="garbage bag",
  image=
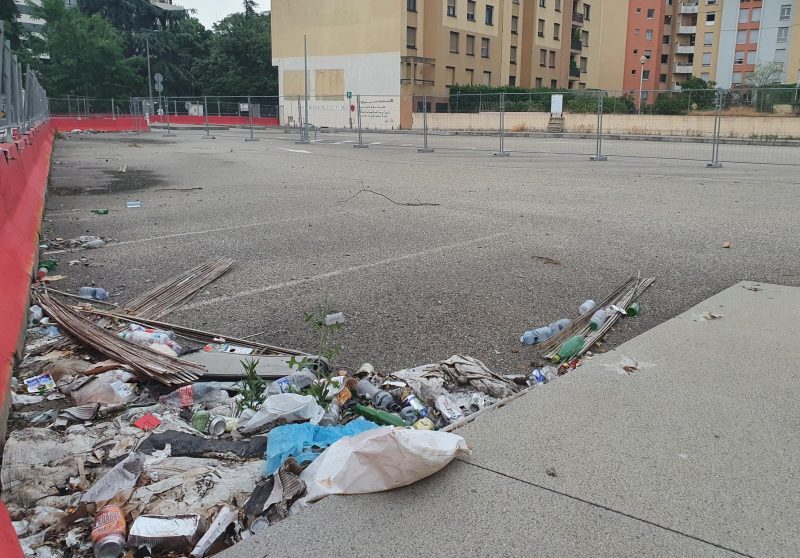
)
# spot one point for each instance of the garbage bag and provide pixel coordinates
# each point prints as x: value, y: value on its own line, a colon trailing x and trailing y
x: 299, y: 441
x: 287, y: 406
x: 379, y: 459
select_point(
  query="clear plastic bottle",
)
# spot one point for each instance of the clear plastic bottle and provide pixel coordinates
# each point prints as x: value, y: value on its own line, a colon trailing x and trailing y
x: 560, y: 325
x: 587, y: 307
x: 95, y: 293
x: 298, y: 379
x: 535, y: 336
x: 550, y: 373
x: 598, y: 319
x: 35, y: 315
x: 201, y: 392
x: 332, y: 415
x: 145, y: 338
x: 381, y: 399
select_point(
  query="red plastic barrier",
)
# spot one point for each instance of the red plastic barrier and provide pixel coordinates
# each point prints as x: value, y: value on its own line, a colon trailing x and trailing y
x: 101, y: 123
x: 217, y: 120
x: 24, y: 166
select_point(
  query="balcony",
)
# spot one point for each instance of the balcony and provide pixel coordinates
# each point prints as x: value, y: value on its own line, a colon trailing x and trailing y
x: 687, y: 29
x: 576, y: 45
x: 417, y: 81
x: 574, y: 72
x: 683, y: 69
x: 577, y: 18
x: 689, y: 8
x: 684, y: 49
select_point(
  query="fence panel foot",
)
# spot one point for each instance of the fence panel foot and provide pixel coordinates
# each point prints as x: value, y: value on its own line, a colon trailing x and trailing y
x: 598, y: 158
x: 714, y: 165
x: 502, y: 154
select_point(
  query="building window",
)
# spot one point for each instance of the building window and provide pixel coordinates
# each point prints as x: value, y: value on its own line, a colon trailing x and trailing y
x: 706, y: 59
x: 636, y: 51
x: 665, y: 58
x: 662, y: 78
x: 738, y: 57
x: 633, y: 72
x: 783, y: 35
x: 453, y: 41
x: 451, y: 8
x: 487, y: 78
x: 637, y: 31
x: 411, y: 5
x: 753, y: 40
x: 750, y: 57
x: 708, y: 39
x: 538, y: 83
x: 557, y: 6
x: 755, y: 14
x: 667, y: 20
x: 780, y: 55
x: 513, y: 55
x: 484, y: 48
x: 645, y: 95
x: 552, y: 59
x: 451, y: 75
x: 584, y: 64
x: 512, y: 81
x: 470, y: 48
x: 711, y: 17
x: 489, y: 15
x: 585, y: 38
x: 646, y: 75
x: 470, y: 10
x: 737, y: 77
x: 557, y: 31
x: 540, y: 28
x: 786, y: 12
x: 744, y: 15
x: 651, y: 13
x: 543, y: 58
x: 648, y: 54
x: 587, y: 10
x: 666, y: 39
x: 648, y: 34
x: 705, y: 75
x: 741, y: 37
x: 553, y: 84
x: 542, y: 4
x: 470, y: 76
x: 411, y: 37
x: 514, y: 25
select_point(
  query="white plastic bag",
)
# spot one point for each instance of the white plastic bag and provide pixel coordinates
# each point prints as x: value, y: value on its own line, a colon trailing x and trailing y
x: 287, y: 406
x: 380, y: 459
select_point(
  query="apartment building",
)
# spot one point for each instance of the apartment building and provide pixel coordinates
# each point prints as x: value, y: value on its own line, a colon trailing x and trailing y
x: 420, y: 48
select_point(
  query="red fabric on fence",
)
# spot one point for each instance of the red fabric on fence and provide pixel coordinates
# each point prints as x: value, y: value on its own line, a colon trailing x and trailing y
x: 217, y: 120
x: 24, y: 167
x: 101, y: 123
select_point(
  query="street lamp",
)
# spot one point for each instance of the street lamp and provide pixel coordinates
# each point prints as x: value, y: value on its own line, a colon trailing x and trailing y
x: 642, y: 60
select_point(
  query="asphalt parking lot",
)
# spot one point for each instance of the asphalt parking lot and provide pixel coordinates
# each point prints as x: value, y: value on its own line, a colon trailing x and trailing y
x: 507, y: 243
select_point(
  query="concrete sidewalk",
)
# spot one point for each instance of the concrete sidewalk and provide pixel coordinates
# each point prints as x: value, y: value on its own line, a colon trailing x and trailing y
x: 694, y: 456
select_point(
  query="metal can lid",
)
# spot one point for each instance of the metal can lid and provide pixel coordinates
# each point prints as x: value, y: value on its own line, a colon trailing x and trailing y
x: 111, y: 546
x: 216, y: 426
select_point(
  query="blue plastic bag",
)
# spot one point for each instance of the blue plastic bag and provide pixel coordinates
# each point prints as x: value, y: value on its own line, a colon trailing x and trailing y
x: 300, y: 441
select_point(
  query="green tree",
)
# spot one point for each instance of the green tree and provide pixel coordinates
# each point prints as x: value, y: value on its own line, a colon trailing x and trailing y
x: 240, y: 60
x: 250, y: 7
x: 130, y: 16
x: 9, y: 14
x: 174, y: 52
x: 699, y: 92
x: 85, y: 55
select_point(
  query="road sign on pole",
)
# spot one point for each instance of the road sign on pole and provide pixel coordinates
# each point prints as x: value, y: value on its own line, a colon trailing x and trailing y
x: 158, y: 78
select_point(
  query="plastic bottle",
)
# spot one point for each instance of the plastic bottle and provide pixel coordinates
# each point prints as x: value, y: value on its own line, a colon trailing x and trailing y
x: 108, y: 533
x: 411, y: 400
x: 409, y: 415
x: 366, y: 388
x: 201, y: 392
x: 535, y: 336
x: 633, y: 310
x: 587, y: 307
x: 550, y: 372
x: 332, y: 415
x: 145, y: 339
x: 136, y: 204
x: 379, y: 398
x: 598, y: 319
x: 569, y: 349
x: 379, y: 417
x: 138, y: 327
x: 298, y: 379
x: 34, y: 315
x: 95, y: 293
x: 560, y: 325
x: 97, y: 243
x: 537, y: 377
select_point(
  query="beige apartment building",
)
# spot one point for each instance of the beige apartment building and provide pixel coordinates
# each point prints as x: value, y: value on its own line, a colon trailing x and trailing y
x: 417, y: 49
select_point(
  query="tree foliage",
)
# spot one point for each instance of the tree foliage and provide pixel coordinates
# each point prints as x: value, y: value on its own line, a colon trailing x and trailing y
x: 765, y: 73
x: 240, y: 59
x: 86, y: 55
x: 132, y: 15
x: 9, y: 14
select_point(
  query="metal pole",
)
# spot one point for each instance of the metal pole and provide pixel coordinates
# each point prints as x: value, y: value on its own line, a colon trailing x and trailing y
x: 149, y: 76
x: 169, y: 133
x: 502, y: 152
x: 205, y: 112
x: 598, y: 156
x: 250, y: 112
x: 360, y: 143
x: 304, y: 135
x: 113, y: 113
x: 715, y: 164
x: 641, y: 85
x: 425, y: 148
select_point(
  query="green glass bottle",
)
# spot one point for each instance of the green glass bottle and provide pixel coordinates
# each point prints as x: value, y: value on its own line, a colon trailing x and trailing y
x: 569, y: 349
x: 379, y: 417
x: 633, y: 310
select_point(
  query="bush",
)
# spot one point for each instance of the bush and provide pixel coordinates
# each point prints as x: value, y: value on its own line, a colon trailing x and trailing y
x: 670, y: 104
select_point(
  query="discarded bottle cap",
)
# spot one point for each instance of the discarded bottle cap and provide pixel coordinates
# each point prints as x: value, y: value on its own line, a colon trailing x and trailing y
x: 258, y: 525
x: 365, y: 369
x: 333, y: 319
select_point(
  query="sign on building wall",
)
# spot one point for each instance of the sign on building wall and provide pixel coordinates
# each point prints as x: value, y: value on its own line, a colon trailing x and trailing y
x: 556, y: 104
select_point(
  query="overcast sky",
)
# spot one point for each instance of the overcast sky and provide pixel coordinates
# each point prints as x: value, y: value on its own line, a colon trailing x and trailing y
x: 211, y: 11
